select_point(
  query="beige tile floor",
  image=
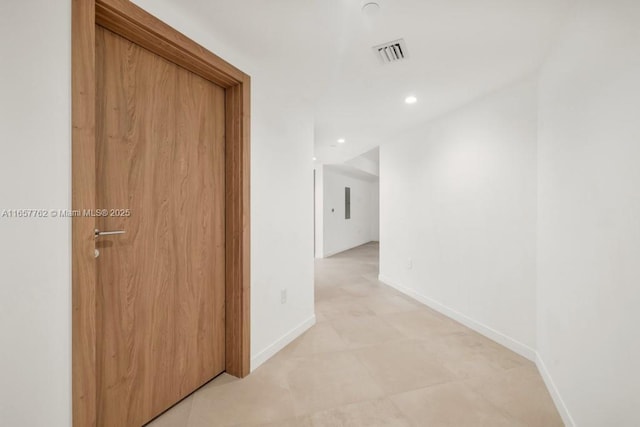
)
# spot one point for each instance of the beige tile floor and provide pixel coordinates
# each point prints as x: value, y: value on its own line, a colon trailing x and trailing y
x: 375, y: 358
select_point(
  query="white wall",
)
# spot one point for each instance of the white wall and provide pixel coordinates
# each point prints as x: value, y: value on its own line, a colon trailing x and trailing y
x: 375, y: 207
x: 589, y: 215
x: 319, y: 211
x: 35, y: 258
x: 340, y: 234
x: 35, y: 172
x: 458, y: 202
x: 281, y: 222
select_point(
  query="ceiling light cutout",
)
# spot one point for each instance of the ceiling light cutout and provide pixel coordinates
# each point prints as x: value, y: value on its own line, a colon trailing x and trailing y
x: 411, y: 99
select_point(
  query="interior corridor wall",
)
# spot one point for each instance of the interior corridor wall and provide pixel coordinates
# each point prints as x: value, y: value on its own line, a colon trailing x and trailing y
x: 340, y: 234
x: 458, y: 214
x: 589, y: 215
x: 35, y: 253
x: 375, y: 206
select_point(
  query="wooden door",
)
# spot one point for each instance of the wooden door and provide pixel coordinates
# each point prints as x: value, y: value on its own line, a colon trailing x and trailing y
x: 160, y: 165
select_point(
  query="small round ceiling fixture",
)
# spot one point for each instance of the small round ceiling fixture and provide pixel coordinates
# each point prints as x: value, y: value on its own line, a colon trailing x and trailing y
x: 342, y: 141
x: 371, y: 8
x: 411, y: 99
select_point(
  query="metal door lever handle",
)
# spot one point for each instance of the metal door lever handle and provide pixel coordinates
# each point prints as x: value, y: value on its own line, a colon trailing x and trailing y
x: 98, y: 233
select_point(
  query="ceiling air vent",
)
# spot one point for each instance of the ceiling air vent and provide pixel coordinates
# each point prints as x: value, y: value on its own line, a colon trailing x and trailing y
x: 394, y: 51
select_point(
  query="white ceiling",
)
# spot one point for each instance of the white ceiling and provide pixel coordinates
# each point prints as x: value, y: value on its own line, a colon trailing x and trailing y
x: 459, y: 50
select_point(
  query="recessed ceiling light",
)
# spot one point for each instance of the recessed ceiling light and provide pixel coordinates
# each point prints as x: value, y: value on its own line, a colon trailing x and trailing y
x: 411, y: 99
x: 314, y: 159
x: 342, y: 141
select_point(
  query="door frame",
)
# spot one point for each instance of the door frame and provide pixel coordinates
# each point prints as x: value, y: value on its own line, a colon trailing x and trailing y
x: 133, y: 23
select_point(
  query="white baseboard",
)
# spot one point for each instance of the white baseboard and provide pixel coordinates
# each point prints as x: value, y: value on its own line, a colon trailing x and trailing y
x: 512, y: 344
x: 281, y: 342
x: 332, y: 253
x: 553, y: 391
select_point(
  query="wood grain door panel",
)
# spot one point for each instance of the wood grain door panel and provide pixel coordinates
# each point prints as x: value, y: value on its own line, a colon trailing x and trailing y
x: 161, y: 286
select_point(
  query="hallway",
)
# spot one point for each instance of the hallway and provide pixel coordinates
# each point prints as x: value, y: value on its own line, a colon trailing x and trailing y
x: 375, y: 358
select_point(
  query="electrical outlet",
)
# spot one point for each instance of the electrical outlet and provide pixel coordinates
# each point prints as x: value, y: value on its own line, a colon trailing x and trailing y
x: 409, y: 264
x: 283, y: 296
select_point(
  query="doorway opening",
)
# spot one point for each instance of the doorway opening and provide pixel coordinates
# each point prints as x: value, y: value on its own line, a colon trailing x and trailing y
x: 346, y: 204
x: 347, y: 238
